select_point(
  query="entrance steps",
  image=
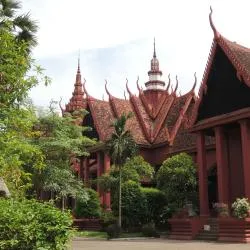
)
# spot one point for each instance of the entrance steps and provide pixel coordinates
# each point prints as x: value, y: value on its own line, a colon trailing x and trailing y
x: 209, y: 233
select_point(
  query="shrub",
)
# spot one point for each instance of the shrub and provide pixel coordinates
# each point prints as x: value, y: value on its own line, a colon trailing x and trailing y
x: 108, y: 218
x: 134, y: 205
x: 90, y: 208
x: 149, y: 230
x: 156, y: 203
x: 28, y: 225
x: 113, y: 231
x: 241, y: 208
x: 178, y: 180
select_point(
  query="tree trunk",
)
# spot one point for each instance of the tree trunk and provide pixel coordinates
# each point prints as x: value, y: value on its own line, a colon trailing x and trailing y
x: 120, y: 198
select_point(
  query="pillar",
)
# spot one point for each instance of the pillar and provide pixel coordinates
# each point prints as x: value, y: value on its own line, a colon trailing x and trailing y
x: 222, y: 165
x: 107, y: 199
x: 245, y: 144
x: 202, y: 172
x: 99, y: 173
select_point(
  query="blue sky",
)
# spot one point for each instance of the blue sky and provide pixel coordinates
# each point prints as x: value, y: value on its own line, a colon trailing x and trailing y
x: 115, y: 38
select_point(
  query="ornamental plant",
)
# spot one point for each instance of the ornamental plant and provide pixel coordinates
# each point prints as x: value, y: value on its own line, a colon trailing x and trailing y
x: 241, y: 208
x: 221, y: 209
x: 29, y: 224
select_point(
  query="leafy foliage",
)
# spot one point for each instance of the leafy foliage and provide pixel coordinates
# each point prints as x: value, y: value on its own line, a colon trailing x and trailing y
x: 61, y: 138
x: 22, y: 26
x: 134, y: 208
x: 28, y: 224
x: 17, y: 116
x: 241, y: 208
x: 121, y: 147
x: 177, y: 178
x: 18, y: 156
x: 156, y: 204
x: 149, y: 230
x: 90, y: 208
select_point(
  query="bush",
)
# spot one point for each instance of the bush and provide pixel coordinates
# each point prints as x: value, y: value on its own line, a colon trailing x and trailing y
x: 90, y: 208
x: 149, y: 230
x: 29, y: 225
x: 241, y: 208
x: 178, y: 180
x: 156, y: 203
x: 134, y: 205
x: 108, y: 218
x: 113, y: 231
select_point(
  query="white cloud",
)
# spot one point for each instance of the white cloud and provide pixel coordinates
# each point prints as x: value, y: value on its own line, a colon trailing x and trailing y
x: 181, y: 28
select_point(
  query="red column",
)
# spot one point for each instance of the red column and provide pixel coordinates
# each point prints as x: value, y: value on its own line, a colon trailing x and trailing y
x: 202, y: 172
x: 99, y: 173
x: 245, y: 143
x: 86, y: 171
x: 222, y: 165
x: 107, y: 200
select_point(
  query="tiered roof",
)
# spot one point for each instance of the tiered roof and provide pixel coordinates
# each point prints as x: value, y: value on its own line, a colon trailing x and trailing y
x: 238, y: 55
x: 159, y: 114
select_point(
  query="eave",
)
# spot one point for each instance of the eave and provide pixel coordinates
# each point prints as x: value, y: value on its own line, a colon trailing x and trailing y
x: 212, y: 122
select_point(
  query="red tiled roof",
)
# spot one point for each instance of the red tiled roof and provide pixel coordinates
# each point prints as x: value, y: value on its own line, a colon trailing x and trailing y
x: 238, y: 55
x: 103, y: 117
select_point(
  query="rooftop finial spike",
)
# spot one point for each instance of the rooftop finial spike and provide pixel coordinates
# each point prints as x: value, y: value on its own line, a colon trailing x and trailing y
x: 154, y: 49
x: 78, y: 68
x: 216, y: 33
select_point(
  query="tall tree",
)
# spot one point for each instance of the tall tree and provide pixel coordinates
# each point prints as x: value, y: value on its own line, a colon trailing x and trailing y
x: 22, y: 25
x: 61, y: 139
x: 121, y: 146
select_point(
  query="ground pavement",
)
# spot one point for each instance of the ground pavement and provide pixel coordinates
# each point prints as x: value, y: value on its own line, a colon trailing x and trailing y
x: 153, y: 244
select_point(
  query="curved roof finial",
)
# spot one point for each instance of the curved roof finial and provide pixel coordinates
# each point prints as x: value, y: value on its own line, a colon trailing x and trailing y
x: 195, y: 81
x: 106, y: 89
x: 84, y: 87
x: 125, y: 95
x: 130, y: 94
x: 216, y: 33
x: 169, y: 80
x: 177, y: 83
x: 137, y: 84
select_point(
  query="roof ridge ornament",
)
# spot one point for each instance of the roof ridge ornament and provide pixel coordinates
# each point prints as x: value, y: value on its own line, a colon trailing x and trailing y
x: 106, y: 89
x: 177, y: 83
x: 84, y: 88
x: 137, y: 84
x: 216, y: 33
x: 130, y: 94
x: 195, y: 82
x: 169, y: 80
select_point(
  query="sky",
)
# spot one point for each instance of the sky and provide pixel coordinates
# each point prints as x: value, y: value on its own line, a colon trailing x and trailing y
x: 115, y: 40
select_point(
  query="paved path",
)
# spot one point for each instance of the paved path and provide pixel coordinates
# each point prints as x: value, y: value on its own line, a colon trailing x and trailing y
x: 153, y: 244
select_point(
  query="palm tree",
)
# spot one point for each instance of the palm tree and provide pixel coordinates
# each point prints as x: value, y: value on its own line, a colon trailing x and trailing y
x: 121, y: 146
x: 22, y: 26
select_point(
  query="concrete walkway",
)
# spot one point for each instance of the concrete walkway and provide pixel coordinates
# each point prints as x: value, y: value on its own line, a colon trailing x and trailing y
x: 153, y: 244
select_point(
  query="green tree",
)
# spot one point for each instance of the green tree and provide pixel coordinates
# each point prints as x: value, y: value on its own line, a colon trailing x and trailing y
x: 178, y: 179
x: 22, y: 26
x: 61, y: 139
x: 17, y: 115
x: 121, y: 146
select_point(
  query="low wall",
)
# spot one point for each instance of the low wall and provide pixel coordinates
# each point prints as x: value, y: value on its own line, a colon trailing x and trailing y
x: 234, y: 230
x: 88, y: 224
x: 186, y: 228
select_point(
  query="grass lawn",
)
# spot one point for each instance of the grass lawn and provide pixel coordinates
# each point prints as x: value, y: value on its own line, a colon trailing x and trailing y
x: 91, y: 234
x: 99, y: 234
